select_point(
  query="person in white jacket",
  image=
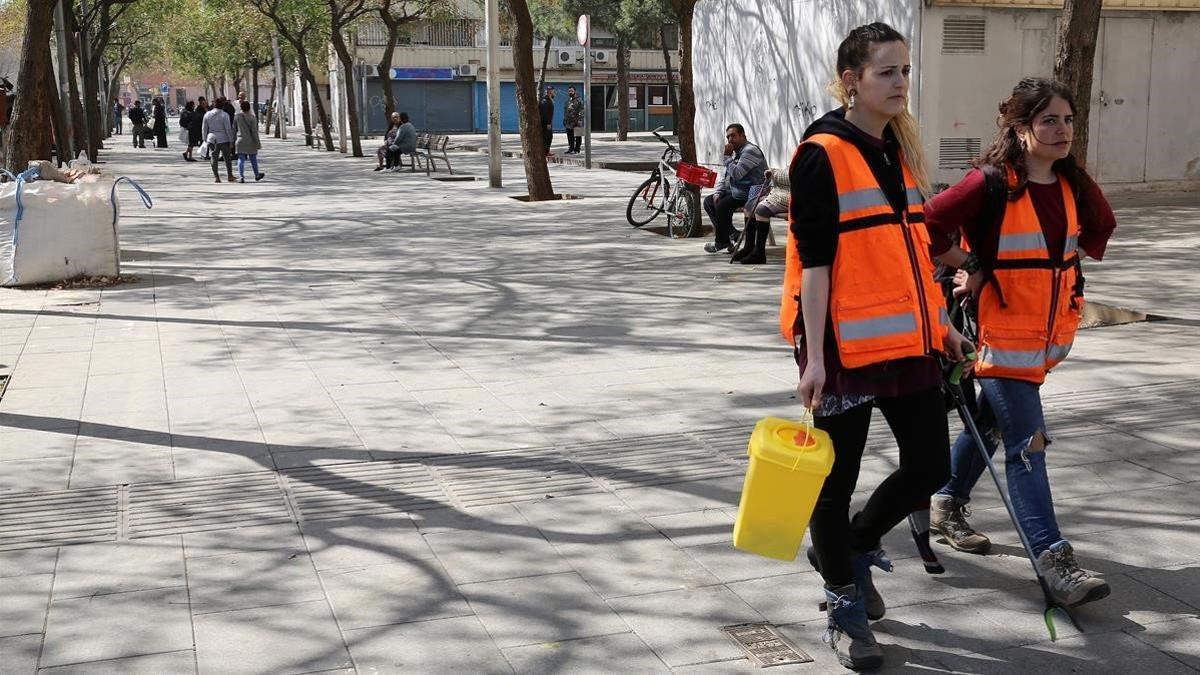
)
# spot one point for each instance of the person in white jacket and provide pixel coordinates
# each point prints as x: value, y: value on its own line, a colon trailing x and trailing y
x: 218, y: 133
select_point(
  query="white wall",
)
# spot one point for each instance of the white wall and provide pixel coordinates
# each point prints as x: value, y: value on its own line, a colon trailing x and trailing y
x: 766, y: 64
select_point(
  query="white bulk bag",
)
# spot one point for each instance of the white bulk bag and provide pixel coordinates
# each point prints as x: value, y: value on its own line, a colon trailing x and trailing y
x: 52, y: 231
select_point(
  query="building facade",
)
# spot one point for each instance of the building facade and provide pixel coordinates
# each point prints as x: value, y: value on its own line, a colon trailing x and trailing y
x: 439, y: 77
x: 966, y: 57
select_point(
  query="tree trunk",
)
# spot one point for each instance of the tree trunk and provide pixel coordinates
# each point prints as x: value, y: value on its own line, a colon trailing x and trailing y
x: 541, y: 85
x: 78, y: 122
x: 57, y: 119
x: 28, y: 135
x: 91, y: 106
x: 254, y: 86
x: 1073, y: 63
x: 385, y: 69
x: 270, y: 107
x: 237, y: 83
x: 306, y: 112
x: 343, y: 54
x: 671, y: 98
x: 322, y: 115
x: 622, y: 89
x: 686, y: 132
x: 533, y: 146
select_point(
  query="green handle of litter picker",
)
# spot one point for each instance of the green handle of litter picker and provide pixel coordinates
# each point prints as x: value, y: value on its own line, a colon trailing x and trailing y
x: 957, y: 372
x: 1048, y: 615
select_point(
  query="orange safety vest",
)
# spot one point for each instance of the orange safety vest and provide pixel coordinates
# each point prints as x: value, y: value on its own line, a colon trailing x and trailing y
x: 883, y: 299
x: 1028, y: 324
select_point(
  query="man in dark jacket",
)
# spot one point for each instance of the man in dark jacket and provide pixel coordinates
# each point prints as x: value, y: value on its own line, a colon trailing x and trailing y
x: 137, y: 118
x: 547, y: 113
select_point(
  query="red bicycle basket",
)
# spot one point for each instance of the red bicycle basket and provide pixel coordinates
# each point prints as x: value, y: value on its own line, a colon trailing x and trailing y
x: 696, y: 175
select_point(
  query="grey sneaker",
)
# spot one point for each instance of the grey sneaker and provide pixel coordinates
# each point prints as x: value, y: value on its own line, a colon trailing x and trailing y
x: 949, y: 519
x: 1070, y: 585
x: 848, y: 633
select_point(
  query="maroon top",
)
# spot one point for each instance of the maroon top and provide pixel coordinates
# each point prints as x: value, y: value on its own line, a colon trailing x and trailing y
x: 960, y: 206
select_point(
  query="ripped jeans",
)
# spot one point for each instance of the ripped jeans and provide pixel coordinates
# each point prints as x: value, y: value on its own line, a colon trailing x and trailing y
x: 1014, y: 408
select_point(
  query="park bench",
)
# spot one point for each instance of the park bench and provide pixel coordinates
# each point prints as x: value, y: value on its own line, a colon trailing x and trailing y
x: 435, y: 151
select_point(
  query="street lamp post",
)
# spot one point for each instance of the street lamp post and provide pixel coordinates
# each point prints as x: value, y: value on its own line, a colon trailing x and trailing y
x: 493, y: 92
x: 584, y: 33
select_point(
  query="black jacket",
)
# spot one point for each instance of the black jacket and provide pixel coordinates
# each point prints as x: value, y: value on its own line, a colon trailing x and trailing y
x: 547, y: 110
x: 137, y: 115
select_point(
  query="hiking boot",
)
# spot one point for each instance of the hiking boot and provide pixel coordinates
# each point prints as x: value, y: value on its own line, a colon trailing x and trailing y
x: 847, y: 631
x: 861, y: 564
x: 1070, y: 585
x: 949, y: 518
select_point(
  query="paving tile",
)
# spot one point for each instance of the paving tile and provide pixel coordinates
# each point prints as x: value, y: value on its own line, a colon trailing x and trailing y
x: 684, y: 627
x: 96, y: 569
x: 730, y: 564
x: 116, y: 626
x: 198, y: 463
x: 243, y: 539
x: 457, y: 644
x: 790, y: 598
x: 25, y: 600
x: 403, y: 592
x: 115, y: 461
x: 1108, y: 652
x: 252, y: 579
x: 20, y: 654
x: 303, y: 638
x: 1177, y: 639
x: 489, y: 554
x: 587, y: 655
x: 31, y: 444
x: 695, y: 528
x: 1181, y: 582
x: 151, y: 664
x: 28, y: 562
x: 537, y: 609
x: 49, y: 473
x: 675, y: 498
x: 364, y: 541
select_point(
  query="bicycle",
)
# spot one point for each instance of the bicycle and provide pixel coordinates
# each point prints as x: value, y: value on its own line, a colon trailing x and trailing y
x: 669, y: 190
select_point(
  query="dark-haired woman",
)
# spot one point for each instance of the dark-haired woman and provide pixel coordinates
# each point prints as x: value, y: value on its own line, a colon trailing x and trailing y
x: 866, y: 321
x: 1024, y: 272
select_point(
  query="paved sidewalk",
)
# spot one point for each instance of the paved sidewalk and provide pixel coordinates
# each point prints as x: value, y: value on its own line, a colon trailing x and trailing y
x: 364, y: 422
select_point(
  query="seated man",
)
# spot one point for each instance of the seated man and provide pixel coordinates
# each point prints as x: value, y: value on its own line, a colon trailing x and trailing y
x: 388, y: 139
x: 745, y: 166
x: 405, y: 142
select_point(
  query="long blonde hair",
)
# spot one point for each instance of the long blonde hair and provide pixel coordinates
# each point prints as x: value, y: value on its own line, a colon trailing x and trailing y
x: 854, y: 54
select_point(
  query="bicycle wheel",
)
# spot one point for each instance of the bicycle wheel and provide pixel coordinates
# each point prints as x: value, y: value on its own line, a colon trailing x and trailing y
x: 684, y: 214
x: 644, y: 204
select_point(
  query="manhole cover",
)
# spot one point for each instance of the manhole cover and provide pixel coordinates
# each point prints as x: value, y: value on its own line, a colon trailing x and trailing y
x: 764, y: 645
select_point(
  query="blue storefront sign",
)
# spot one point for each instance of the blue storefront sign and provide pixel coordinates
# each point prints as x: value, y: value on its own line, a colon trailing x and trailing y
x: 423, y: 73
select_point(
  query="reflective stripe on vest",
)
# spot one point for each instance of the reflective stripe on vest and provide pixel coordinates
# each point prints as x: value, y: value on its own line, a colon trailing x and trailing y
x: 1057, y: 353
x: 1024, y: 241
x: 883, y: 326
x: 1011, y: 358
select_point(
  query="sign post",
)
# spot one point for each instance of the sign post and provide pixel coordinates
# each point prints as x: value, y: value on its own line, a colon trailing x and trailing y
x: 583, y: 31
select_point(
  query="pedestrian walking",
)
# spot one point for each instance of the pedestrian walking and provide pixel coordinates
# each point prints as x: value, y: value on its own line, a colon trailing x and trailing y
x: 1024, y: 274
x: 196, y: 131
x: 218, y: 133
x: 546, y: 111
x: 118, y: 117
x: 248, y: 143
x: 186, y: 119
x: 137, y: 121
x: 867, y: 322
x: 160, y: 123
x: 745, y: 167
x: 573, y: 120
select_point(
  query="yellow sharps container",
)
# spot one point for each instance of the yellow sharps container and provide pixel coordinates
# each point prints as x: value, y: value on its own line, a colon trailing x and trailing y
x: 788, y: 465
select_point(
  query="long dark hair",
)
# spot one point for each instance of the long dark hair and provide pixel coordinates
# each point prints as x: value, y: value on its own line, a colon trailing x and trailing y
x: 1028, y: 99
x: 854, y: 54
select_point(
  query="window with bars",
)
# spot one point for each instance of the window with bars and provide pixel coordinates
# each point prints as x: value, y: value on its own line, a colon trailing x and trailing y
x: 446, y: 33
x: 374, y: 34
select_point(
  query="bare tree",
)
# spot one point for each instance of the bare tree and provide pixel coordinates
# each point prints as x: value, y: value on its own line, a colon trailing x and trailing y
x: 533, y: 146
x: 342, y: 13
x: 1073, y: 63
x: 686, y: 130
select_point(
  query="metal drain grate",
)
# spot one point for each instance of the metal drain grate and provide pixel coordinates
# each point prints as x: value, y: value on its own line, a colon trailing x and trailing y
x: 511, y: 476
x: 656, y: 460
x: 764, y: 645
x: 41, y: 519
x: 363, y: 488
x: 223, y: 502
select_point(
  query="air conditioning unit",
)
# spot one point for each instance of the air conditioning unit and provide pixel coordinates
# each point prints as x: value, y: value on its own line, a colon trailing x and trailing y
x: 468, y: 70
x: 369, y: 71
x: 600, y: 55
x: 566, y: 57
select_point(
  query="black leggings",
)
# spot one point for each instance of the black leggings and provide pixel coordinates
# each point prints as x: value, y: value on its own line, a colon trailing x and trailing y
x: 918, y: 422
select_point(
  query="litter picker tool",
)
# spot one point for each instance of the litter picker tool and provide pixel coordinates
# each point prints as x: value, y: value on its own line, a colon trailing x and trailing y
x: 954, y: 381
